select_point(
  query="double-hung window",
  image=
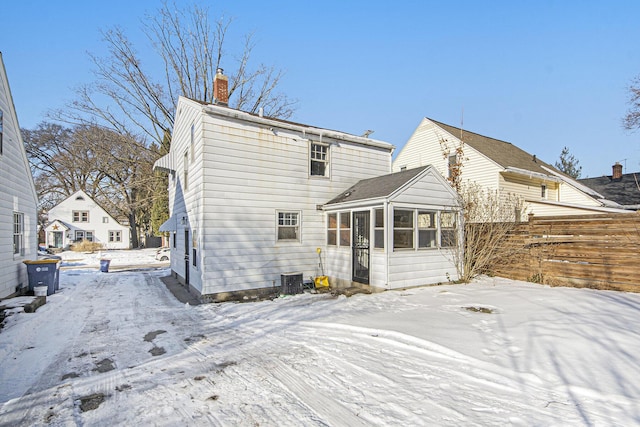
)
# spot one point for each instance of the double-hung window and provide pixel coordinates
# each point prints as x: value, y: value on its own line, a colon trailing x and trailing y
x: 378, y: 234
x: 427, y: 230
x: 288, y: 226
x: 345, y: 228
x: 115, y: 236
x: 448, y: 229
x: 319, y: 160
x: 18, y: 233
x: 80, y: 216
x: 332, y: 229
x: 402, y: 229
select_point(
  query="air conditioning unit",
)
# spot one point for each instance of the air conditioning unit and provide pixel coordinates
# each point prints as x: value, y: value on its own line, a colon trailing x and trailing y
x: 291, y: 283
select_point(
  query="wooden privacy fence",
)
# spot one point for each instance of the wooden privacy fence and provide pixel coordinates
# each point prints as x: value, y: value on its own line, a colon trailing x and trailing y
x: 595, y: 251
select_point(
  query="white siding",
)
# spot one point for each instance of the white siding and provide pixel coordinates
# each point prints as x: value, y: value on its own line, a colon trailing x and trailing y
x: 17, y: 194
x: 425, y: 147
x: 242, y: 175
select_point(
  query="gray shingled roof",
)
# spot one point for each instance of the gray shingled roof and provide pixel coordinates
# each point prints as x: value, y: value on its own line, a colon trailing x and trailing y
x: 623, y: 191
x: 378, y: 187
x: 503, y: 153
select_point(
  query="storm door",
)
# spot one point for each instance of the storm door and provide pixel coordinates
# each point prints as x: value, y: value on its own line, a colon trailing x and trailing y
x: 360, y: 245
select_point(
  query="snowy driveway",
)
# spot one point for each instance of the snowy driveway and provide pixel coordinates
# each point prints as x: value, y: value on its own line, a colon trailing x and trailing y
x: 118, y: 349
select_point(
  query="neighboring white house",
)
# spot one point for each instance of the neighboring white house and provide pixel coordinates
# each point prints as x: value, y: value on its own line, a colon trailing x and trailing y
x: 247, y: 200
x: 499, y: 165
x: 78, y: 218
x: 18, y: 198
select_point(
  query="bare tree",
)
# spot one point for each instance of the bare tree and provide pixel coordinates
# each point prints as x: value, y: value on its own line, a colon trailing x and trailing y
x: 127, y: 97
x: 631, y: 120
x: 112, y: 168
x: 489, y: 216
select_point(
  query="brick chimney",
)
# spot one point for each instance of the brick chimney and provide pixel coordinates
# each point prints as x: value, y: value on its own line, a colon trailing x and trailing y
x: 220, y: 88
x: 617, y: 172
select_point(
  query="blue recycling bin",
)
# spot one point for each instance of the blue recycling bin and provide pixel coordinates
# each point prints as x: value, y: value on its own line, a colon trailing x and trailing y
x: 104, y: 265
x: 43, y: 272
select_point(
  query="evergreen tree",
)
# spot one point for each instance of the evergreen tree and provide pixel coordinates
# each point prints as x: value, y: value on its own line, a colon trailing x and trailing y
x: 568, y: 164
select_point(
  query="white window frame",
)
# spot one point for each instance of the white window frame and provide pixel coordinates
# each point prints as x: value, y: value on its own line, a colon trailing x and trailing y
x: 430, y: 228
x: 18, y: 233
x: 332, y: 229
x: 543, y: 191
x: 411, y: 228
x: 453, y: 230
x: 288, y: 219
x: 80, y: 216
x: 319, y: 153
x: 115, y: 236
x: 378, y: 230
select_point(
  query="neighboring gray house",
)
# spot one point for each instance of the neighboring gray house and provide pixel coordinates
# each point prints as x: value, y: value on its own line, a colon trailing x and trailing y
x: 18, y: 198
x: 78, y: 218
x: 252, y: 199
x: 621, y: 188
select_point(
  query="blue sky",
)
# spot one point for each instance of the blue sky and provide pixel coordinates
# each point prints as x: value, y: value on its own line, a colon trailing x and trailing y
x: 539, y: 74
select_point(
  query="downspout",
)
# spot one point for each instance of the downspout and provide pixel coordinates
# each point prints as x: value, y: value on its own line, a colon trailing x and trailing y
x: 386, y: 240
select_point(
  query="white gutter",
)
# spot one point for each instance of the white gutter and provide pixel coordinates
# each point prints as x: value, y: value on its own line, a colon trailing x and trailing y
x: 532, y: 174
x: 241, y: 115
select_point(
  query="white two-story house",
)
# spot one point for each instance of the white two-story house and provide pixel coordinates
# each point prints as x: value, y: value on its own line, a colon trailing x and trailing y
x: 18, y: 198
x: 253, y: 198
x: 78, y: 218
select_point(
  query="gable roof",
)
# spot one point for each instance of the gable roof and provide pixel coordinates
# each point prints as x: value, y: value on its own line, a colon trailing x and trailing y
x: 378, y: 187
x: 503, y: 153
x: 624, y: 191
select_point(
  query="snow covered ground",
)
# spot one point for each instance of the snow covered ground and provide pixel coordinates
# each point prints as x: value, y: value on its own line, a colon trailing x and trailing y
x: 118, y: 349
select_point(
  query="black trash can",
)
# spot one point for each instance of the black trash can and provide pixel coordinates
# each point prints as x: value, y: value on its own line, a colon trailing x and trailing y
x: 104, y: 265
x: 43, y: 273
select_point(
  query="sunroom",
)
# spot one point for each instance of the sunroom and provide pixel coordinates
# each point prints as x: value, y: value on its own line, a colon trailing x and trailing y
x: 394, y: 231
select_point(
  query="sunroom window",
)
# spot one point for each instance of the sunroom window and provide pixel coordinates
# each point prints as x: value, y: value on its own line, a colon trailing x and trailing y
x: 379, y: 229
x: 345, y: 228
x: 427, y: 230
x: 332, y: 229
x: 402, y: 229
x: 448, y: 229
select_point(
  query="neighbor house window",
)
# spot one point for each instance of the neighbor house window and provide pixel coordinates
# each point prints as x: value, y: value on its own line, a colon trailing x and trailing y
x: 453, y: 166
x: 378, y: 234
x: 88, y: 235
x: 80, y: 216
x: 332, y: 229
x: 115, y: 236
x: 18, y: 233
x: 319, y: 160
x: 448, y: 229
x: 402, y: 229
x: 174, y: 239
x: 427, y: 230
x: 543, y: 191
x: 105, y: 219
x: 79, y: 235
x: 288, y: 226
x: 345, y: 228
x: 1, y: 131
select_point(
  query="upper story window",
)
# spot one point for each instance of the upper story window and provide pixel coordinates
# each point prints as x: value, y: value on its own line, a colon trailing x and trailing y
x: 185, y: 183
x: 288, y: 226
x: 543, y: 191
x: 80, y: 216
x: 453, y: 166
x: 319, y: 160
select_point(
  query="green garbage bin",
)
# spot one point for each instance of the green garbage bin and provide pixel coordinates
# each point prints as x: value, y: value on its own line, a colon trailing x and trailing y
x: 43, y: 273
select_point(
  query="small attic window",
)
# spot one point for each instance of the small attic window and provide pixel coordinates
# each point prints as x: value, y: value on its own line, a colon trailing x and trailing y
x: 79, y: 198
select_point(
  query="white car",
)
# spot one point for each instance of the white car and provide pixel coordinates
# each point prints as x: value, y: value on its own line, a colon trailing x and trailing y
x: 163, y: 254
